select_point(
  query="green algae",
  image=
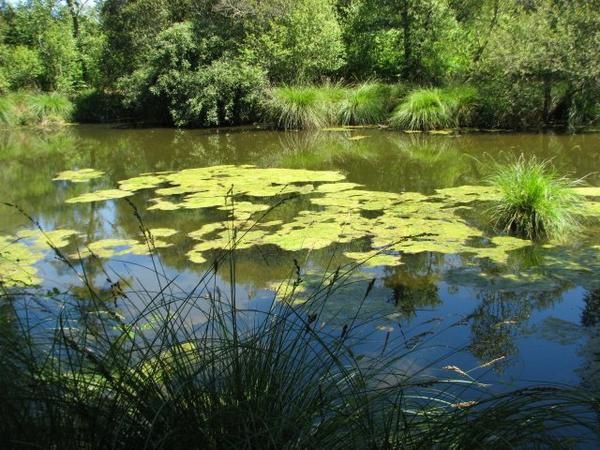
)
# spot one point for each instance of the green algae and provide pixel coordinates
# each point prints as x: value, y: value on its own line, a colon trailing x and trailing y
x: 147, y: 181
x: 162, y: 232
x: 78, y: 176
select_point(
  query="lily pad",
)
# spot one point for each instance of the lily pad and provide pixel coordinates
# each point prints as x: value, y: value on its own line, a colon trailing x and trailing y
x: 78, y: 176
x: 100, y: 196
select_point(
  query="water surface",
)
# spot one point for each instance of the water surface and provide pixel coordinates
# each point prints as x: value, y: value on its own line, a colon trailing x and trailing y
x: 535, y: 311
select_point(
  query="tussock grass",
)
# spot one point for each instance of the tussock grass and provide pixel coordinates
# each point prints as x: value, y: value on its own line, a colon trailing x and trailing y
x: 433, y: 108
x: 139, y: 366
x: 7, y: 112
x: 34, y: 109
x: 536, y: 202
x: 314, y: 107
x: 366, y: 104
x: 49, y: 107
x: 298, y: 107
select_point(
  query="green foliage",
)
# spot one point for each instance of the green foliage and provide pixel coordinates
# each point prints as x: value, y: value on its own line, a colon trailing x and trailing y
x: 534, y: 64
x: 303, y: 45
x: 427, y: 109
x: 536, y: 202
x: 58, y: 50
x: 537, y: 65
x: 179, y: 80
x: 21, y: 67
x: 226, y: 92
x: 367, y: 104
x: 99, y: 106
x: 414, y: 39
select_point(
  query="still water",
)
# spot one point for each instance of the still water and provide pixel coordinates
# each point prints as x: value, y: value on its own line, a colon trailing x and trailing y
x: 534, y: 310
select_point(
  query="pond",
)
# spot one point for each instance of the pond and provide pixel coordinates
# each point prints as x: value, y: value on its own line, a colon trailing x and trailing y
x: 408, y: 210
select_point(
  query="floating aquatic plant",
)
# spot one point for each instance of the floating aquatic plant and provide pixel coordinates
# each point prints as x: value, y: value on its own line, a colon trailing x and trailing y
x: 78, y: 176
x: 335, y: 212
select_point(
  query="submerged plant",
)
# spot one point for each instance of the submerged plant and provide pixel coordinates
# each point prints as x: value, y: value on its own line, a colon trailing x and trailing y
x: 298, y: 107
x: 428, y: 109
x: 536, y: 203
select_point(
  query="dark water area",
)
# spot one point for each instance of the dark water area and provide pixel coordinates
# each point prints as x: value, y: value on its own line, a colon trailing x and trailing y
x: 535, y: 313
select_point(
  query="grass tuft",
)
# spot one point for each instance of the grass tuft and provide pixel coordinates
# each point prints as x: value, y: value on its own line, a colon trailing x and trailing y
x: 536, y: 203
x: 367, y: 104
x: 34, y: 109
x: 51, y: 107
x: 298, y: 107
x: 433, y: 108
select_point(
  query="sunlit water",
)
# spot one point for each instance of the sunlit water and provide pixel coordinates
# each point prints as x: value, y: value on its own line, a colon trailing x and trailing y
x: 537, y: 313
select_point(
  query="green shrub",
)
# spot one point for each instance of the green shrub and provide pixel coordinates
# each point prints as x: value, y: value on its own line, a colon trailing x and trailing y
x: 226, y: 92
x: 96, y: 106
x: 298, y: 107
x: 22, y: 66
x: 535, y: 202
x: 427, y: 109
x: 367, y: 104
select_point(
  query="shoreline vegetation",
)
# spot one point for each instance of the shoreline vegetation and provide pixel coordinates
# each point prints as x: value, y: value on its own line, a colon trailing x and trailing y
x: 327, y: 107
x: 413, y: 65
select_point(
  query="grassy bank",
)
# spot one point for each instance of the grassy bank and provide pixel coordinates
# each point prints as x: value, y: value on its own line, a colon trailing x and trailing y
x: 35, y: 109
x: 293, y: 107
x: 153, y: 365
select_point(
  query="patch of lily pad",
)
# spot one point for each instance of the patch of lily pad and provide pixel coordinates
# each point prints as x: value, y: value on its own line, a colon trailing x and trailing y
x: 78, y: 176
x: 336, y: 211
x: 17, y: 263
x: 19, y: 254
x: 100, y: 196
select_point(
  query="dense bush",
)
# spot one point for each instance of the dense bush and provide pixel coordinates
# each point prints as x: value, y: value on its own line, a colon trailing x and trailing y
x: 20, y: 67
x: 94, y: 106
x: 301, y: 46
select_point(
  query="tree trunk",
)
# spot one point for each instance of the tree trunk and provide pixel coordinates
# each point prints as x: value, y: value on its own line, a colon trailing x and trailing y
x: 407, y: 39
x: 73, y: 6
